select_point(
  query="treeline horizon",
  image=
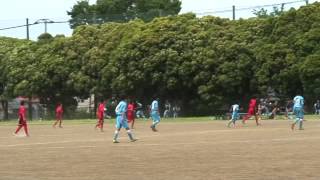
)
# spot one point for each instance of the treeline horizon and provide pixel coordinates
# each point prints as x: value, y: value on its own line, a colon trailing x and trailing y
x: 203, y: 64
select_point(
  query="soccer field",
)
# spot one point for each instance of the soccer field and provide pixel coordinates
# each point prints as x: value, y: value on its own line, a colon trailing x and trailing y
x: 187, y: 151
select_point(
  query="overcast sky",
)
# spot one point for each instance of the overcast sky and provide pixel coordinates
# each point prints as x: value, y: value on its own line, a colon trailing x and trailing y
x: 14, y: 13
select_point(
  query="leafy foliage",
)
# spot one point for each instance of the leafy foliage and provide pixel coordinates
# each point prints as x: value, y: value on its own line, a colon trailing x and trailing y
x: 200, y: 63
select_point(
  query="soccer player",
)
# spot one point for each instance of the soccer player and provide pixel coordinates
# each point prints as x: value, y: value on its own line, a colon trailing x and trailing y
x: 100, y: 115
x: 121, y: 121
x: 298, y: 111
x: 59, y: 112
x: 235, y: 115
x: 22, y: 120
x: 289, y: 109
x: 155, y: 115
x: 131, y: 113
x: 252, y: 111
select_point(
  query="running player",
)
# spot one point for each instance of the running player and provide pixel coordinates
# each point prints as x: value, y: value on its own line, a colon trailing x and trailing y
x: 121, y: 121
x: 155, y: 115
x: 298, y: 111
x: 100, y: 115
x: 22, y: 120
x: 59, y: 112
x: 131, y: 113
x: 235, y: 115
x: 289, y: 110
x: 252, y: 111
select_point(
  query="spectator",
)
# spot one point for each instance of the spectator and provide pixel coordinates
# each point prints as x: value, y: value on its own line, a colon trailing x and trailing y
x: 176, y: 109
x: 167, y: 110
x: 317, y: 107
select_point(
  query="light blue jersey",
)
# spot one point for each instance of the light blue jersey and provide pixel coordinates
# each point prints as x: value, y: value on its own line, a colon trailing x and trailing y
x: 298, y: 102
x: 121, y: 108
x: 298, y: 108
x: 121, y: 111
x: 235, y: 112
x: 155, y: 105
x: 155, y: 111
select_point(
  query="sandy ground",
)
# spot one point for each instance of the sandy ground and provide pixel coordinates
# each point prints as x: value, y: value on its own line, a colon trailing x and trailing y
x: 186, y: 151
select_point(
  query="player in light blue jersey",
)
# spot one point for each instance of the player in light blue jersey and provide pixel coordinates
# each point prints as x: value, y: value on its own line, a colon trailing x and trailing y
x: 298, y: 102
x: 155, y: 115
x: 235, y: 115
x: 121, y: 121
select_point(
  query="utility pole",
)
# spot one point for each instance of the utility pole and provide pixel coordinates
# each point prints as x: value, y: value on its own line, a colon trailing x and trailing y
x: 234, y: 12
x: 27, y: 25
x: 45, y: 26
x: 45, y: 22
x: 282, y: 7
x: 30, y: 97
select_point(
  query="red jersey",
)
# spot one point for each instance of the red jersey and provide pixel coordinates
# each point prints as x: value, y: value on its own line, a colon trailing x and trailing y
x: 130, y: 112
x: 130, y: 107
x: 59, y: 109
x: 100, y: 112
x: 22, y: 113
x: 253, y: 103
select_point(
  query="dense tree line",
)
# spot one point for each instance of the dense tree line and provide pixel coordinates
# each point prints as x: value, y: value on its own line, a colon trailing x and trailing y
x: 201, y: 63
x: 104, y: 11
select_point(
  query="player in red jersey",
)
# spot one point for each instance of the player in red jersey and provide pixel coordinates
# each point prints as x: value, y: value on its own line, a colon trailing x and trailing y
x: 252, y: 111
x: 22, y: 120
x: 100, y: 115
x: 59, y: 113
x: 131, y: 109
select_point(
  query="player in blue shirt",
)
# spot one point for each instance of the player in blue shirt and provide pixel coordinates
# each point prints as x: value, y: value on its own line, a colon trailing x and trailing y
x: 155, y: 115
x: 298, y: 102
x: 121, y: 121
x: 235, y: 115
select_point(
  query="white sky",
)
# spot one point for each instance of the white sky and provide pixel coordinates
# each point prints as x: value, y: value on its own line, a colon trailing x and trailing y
x: 14, y: 13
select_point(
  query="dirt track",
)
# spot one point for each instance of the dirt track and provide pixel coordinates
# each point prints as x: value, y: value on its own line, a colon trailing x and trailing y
x: 186, y: 151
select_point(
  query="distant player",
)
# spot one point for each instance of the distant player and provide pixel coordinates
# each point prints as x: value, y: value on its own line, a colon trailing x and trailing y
x: 289, y: 109
x: 252, y: 111
x: 155, y: 115
x: 298, y: 102
x: 59, y: 113
x: 22, y: 120
x: 121, y: 121
x: 100, y: 115
x: 131, y: 113
x: 235, y: 115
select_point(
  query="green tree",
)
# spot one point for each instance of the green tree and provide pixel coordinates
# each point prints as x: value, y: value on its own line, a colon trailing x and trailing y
x: 103, y: 11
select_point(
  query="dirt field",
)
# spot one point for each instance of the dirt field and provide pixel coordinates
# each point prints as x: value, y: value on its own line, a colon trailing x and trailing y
x: 186, y: 151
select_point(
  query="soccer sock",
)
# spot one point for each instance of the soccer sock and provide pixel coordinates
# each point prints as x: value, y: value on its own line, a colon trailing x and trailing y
x: 18, y: 129
x: 301, y: 124
x: 130, y: 134
x: 116, y: 134
x: 229, y: 123
x: 26, y: 129
x: 155, y: 123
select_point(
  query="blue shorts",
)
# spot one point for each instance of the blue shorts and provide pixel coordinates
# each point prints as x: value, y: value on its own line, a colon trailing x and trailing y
x: 298, y: 111
x: 121, y: 122
x: 235, y: 116
x: 155, y: 116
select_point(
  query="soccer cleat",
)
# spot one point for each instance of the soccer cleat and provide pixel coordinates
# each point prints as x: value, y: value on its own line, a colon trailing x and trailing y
x: 292, y: 127
x: 133, y: 140
x: 154, y: 129
x: 115, y: 141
